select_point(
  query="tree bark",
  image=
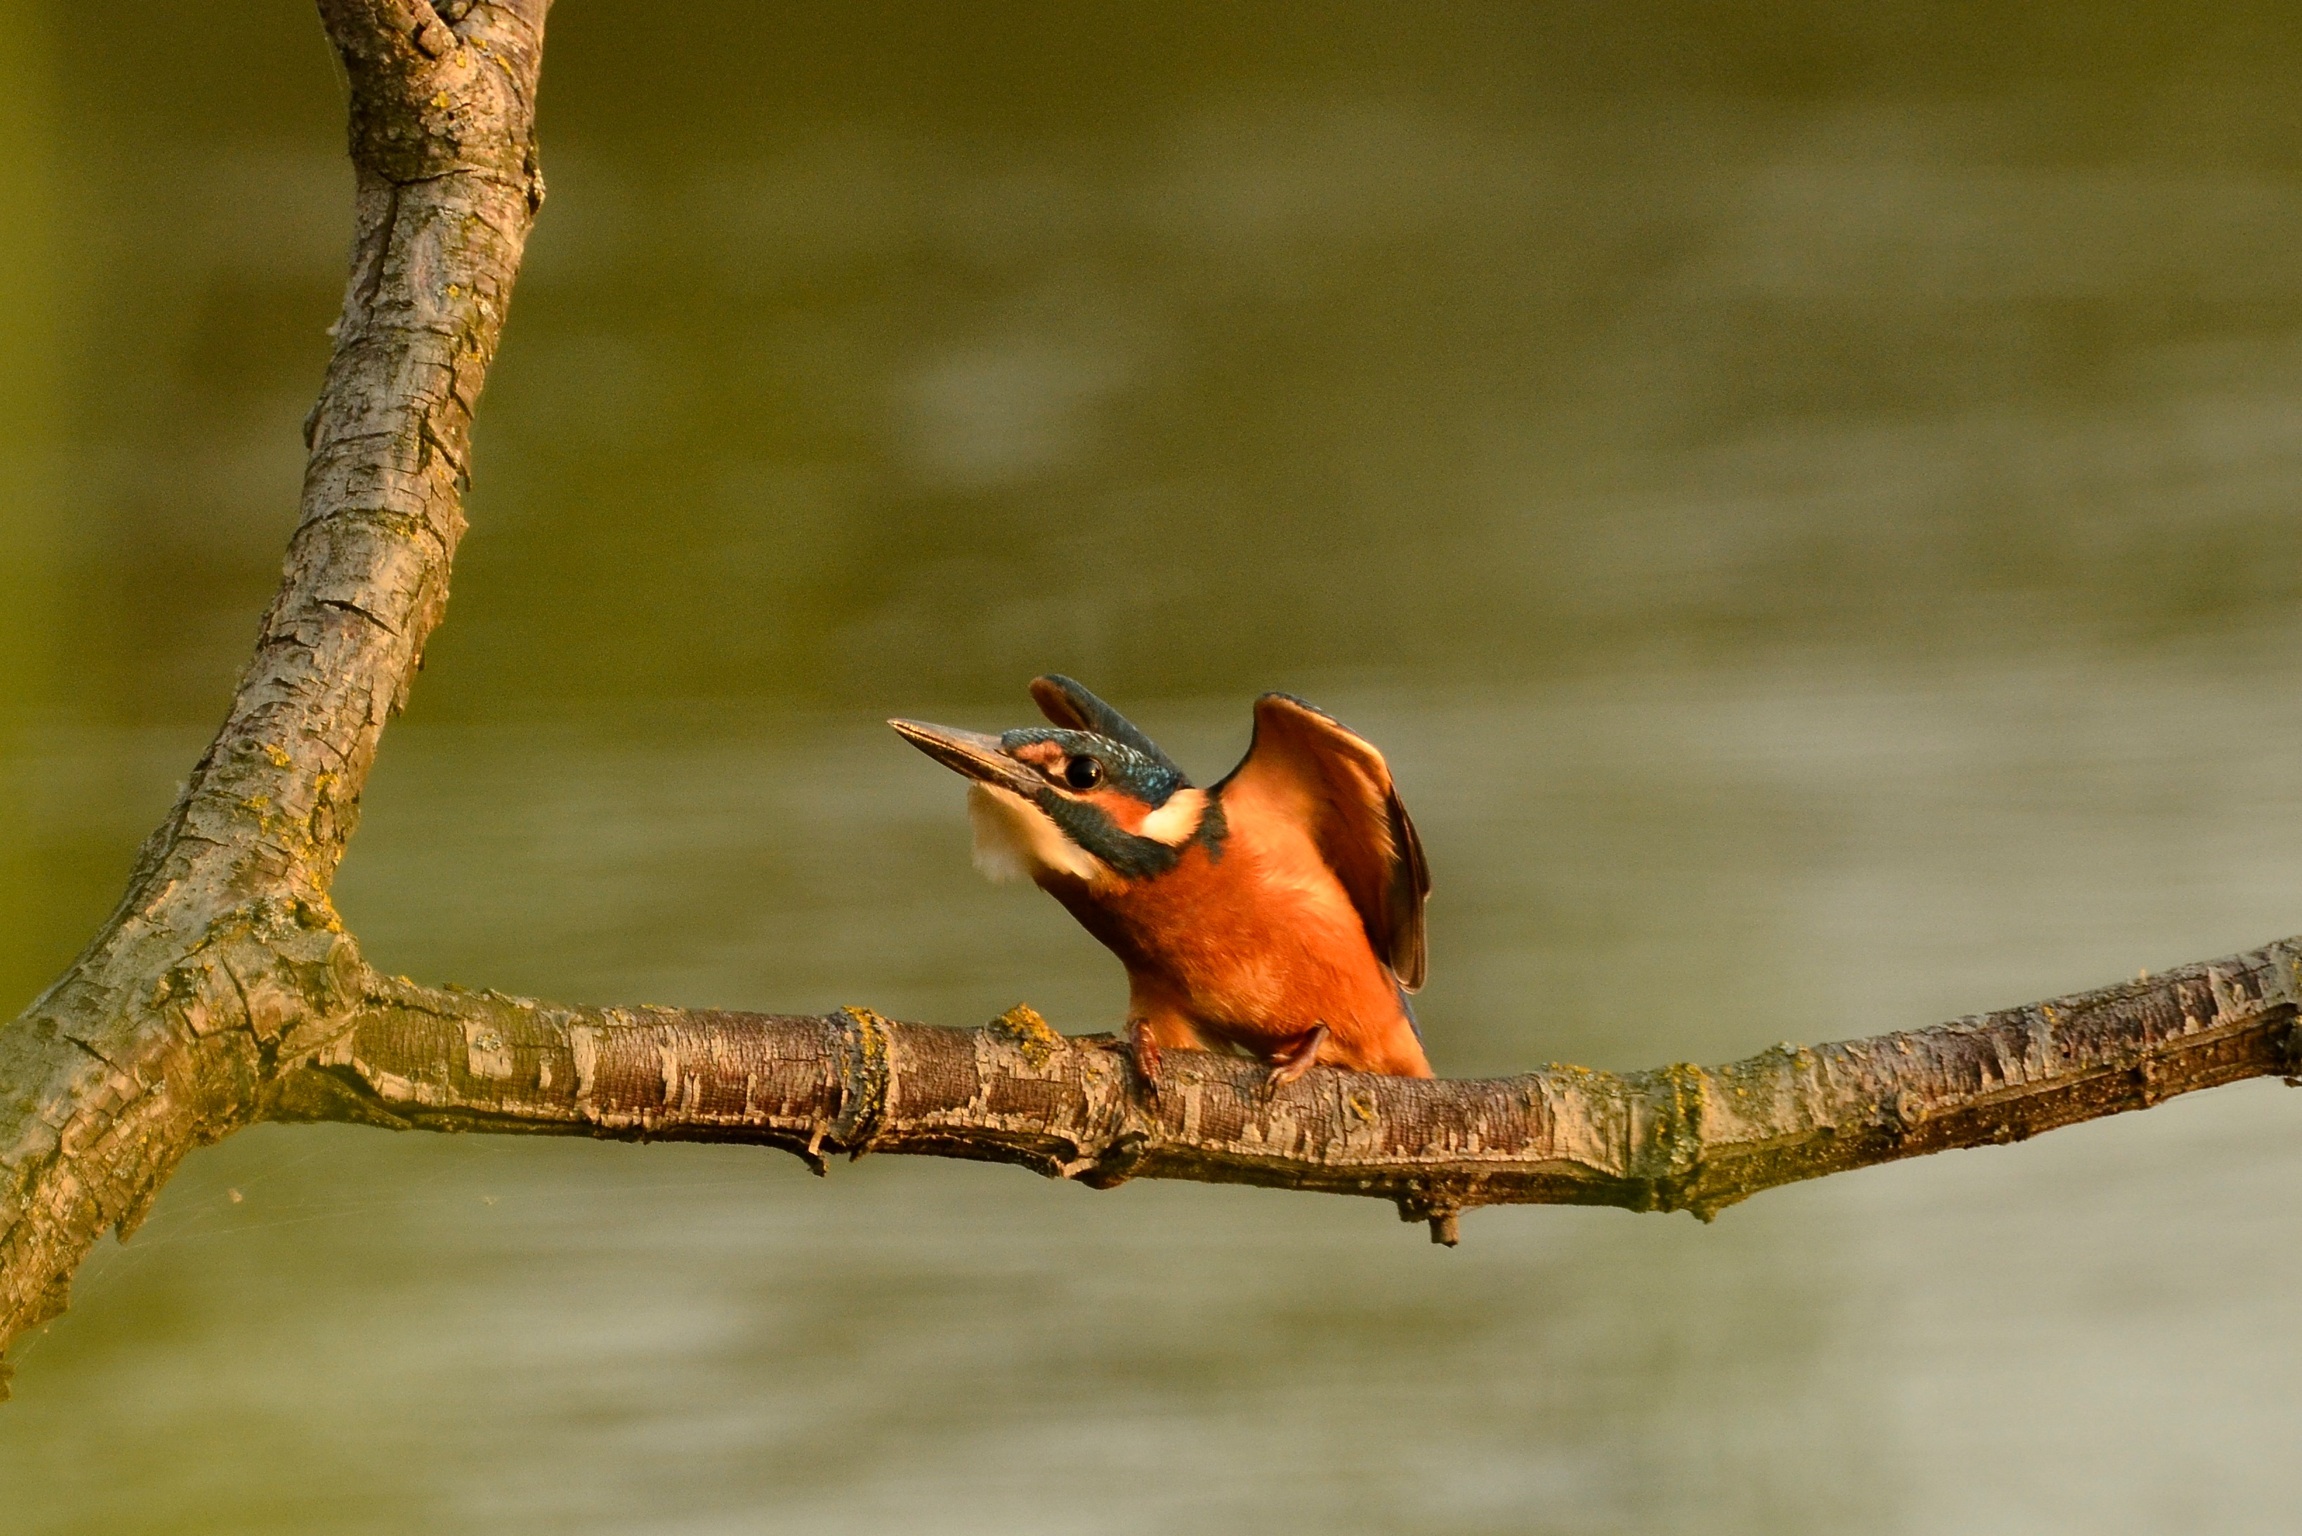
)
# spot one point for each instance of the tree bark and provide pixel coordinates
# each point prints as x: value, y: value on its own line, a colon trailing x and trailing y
x: 1676, y: 1138
x: 223, y: 989
x: 224, y: 956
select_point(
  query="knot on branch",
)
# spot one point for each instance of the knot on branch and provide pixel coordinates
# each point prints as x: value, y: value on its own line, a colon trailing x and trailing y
x: 865, y: 1071
x: 280, y: 968
x: 438, y: 90
x: 1667, y: 1131
x: 1117, y: 1162
x: 1028, y: 1030
x: 1443, y: 1209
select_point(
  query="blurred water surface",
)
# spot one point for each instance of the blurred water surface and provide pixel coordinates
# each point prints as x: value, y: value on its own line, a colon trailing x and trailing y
x: 1805, y: 499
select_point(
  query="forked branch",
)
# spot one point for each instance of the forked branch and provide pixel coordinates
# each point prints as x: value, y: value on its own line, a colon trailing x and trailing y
x: 223, y: 989
x: 224, y: 957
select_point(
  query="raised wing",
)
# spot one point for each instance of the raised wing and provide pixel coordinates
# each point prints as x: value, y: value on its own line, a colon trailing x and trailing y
x: 1306, y: 765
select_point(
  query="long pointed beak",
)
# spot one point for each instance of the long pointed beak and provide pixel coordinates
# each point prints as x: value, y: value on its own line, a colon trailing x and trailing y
x: 971, y: 753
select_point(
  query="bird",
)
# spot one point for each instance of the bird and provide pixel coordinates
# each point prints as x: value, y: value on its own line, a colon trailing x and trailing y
x: 1278, y: 912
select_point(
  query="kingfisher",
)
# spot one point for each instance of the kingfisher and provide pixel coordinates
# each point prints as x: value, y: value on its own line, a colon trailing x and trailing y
x: 1278, y: 912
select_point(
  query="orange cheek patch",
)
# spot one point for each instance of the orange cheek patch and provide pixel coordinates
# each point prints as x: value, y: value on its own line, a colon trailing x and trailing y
x: 1172, y: 823
x: 1126, y: 813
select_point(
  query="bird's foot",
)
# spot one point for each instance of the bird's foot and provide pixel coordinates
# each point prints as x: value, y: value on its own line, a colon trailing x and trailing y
x: 1296, y: 1060
x: 1143, y: 1056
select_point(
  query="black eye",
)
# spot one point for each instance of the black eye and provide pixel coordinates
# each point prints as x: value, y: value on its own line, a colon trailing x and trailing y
x: 1082, y: 773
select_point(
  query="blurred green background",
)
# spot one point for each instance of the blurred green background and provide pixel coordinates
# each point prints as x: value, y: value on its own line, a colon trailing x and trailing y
x: 1805, y: 496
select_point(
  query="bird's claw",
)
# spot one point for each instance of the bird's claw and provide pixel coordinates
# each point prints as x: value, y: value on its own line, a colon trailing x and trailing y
x: 1143, y: 1056
x: 1292, y: 1063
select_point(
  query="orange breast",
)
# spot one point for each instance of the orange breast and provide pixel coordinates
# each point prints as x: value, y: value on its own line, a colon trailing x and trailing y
x: 1254, y: 949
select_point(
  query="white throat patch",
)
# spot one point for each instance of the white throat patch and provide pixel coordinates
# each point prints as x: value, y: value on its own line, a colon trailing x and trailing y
x: 1015, y: 840
x: 1174, y: 822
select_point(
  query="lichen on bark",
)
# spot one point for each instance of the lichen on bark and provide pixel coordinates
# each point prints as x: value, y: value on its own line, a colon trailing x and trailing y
x: 224, y: 954
x: 223, y: 988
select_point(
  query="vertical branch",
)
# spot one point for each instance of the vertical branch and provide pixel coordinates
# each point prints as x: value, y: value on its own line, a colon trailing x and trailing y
x: 225, y: 948
x: 443, y: 142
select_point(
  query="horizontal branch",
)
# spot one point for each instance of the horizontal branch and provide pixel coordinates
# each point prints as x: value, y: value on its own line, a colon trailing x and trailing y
x: 223, y: 988
x: 1676, y: 1138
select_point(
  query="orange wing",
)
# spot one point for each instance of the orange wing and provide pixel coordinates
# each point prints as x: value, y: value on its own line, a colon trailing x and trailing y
x: 1337, y: 786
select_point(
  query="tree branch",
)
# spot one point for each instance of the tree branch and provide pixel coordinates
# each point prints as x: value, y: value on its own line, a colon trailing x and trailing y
x: 223, y: 988
x: 1678, y: 1138
x: 165, y: 1029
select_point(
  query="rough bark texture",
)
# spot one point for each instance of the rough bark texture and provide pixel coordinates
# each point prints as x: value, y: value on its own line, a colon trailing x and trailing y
x: 1677, y: 1138
x: 224, y: 955
x: 223, y: 989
